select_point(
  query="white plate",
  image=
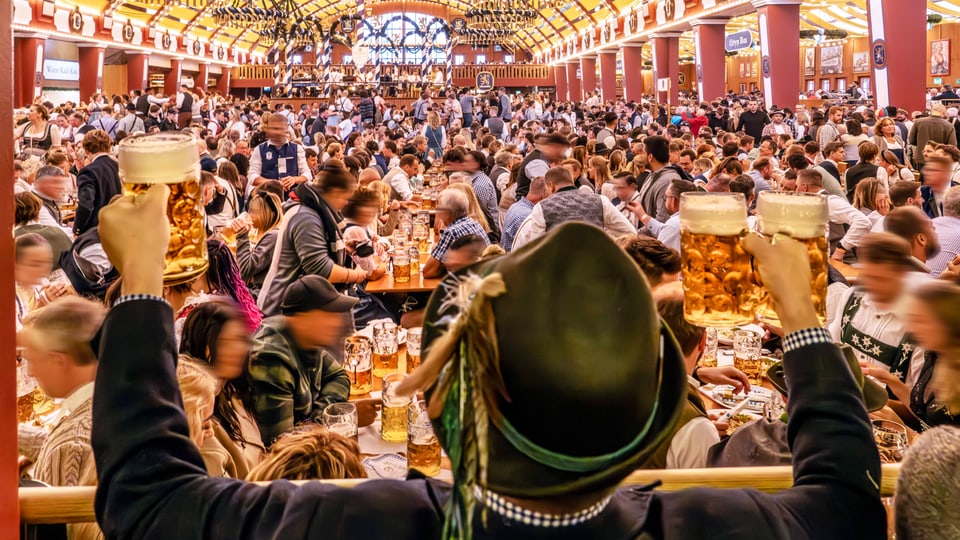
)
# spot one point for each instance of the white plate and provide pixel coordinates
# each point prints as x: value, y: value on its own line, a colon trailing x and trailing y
x: 728, y: 342
x: 758, y: 396
x: 386, y: 466
x: 367, y: 332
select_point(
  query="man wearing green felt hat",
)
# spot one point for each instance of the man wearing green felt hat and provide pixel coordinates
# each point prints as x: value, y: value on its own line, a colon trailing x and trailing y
x: 549, y: 377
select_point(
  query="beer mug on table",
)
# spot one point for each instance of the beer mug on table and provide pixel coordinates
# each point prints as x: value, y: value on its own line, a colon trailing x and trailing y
x: 385, y: 354
x: 358, y: 361
x: 401, y: 265
x: 423, y: 446
x: 172, y: 159
x: 719, y: 289
x: 342, y: 418
x: 803, y: 217
x: 414, y: 337
x: 393, y: 410
x: 746, y: 355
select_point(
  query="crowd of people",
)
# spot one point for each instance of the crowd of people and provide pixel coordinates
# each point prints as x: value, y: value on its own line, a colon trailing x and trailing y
x: 300, y: 206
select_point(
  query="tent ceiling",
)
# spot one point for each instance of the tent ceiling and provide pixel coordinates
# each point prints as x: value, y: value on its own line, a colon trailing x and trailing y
x: 563, y: 19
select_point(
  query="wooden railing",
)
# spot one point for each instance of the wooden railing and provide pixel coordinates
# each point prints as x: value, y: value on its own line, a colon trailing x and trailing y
x: 75, y: 504
x: 533, y: 72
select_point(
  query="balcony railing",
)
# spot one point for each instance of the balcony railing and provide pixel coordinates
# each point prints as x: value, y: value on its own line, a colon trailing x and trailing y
x: 536, y: 74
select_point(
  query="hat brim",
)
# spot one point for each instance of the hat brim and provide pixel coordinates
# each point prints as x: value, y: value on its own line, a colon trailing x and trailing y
x: 613, y: 358
x: 874, y: 396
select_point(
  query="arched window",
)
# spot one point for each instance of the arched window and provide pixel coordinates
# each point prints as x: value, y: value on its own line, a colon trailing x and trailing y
x: 405, y: 38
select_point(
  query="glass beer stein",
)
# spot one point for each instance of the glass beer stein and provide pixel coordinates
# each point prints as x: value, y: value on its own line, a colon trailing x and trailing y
x: 393, y: 410
x: 385, y: 349
x: 423, y: 446
x: 719, y: 289
x: 342, y: 418
x: 172, y: 159
x: 803, y: 217
x: 358, y: 361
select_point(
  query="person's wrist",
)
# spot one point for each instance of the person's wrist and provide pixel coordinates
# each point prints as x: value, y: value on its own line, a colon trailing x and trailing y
x: 142, y: 279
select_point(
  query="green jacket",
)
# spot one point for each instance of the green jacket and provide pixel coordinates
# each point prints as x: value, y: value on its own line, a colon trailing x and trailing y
x: 291, y: 385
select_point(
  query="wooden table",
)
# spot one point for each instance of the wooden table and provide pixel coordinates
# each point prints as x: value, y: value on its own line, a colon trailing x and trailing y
x: 848, y: 271
x: 416, y: 284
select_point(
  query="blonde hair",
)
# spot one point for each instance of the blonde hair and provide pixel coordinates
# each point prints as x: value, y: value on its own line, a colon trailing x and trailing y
x: 383, y: 191
x: 199, y: 389
x: 473, y: 205
x: 601, y: 170
x: 618, y: 161
x: 311, y: 452
x: 66, y: 326
x: 433, y: 119
x: 942, y: 297
x: 865, y: 194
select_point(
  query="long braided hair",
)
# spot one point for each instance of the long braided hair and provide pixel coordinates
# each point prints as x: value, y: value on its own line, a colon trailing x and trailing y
x: 223, y: 277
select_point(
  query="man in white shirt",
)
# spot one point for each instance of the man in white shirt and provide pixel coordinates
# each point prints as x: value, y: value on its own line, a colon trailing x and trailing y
x: 399, y: 177
x: 667, y: 232
x: 278, y: 158
x: 131, y: 123
x: 868, y: 316
x: 348, y: 125
x: 344, y: 104
x: 50, y: 184
x: 841, y: 213
x: 567, y: 203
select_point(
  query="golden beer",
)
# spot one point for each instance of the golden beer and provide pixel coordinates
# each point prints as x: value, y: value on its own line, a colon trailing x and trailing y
x: 803, y: 217
x: 393, y: 410
x: 423, y: 447
x: 172, y: 159
x: 718, y: 282
x: 414, y: 337
x: 746, y: 355
x: 358, y: 362
x: 386, y: 357
x: 401, y: 267
x: 751, y: 367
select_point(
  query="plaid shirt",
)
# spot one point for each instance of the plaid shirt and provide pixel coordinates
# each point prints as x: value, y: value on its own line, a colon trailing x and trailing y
x: 291, y: 385
x: 463, y: 226
x: 518, y: 212
x: 486, y: 193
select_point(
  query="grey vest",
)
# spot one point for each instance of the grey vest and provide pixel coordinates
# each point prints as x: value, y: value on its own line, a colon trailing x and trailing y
x: 572, y: 205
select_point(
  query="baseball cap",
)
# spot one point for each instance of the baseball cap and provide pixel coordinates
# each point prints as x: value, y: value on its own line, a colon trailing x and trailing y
x: 311, y: 293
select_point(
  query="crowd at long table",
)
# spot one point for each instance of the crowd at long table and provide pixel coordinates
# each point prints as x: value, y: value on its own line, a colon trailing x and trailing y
x: 463, y: 288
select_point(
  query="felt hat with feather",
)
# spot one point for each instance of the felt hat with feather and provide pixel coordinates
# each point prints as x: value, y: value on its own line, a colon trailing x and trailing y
x: 548, y: 370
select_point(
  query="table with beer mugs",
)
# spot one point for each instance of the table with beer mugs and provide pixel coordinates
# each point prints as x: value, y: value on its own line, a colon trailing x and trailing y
x: 402, y: 437
x: 410, y: 246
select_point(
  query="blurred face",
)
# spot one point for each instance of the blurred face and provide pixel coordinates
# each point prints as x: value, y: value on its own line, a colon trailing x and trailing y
x: 672, y: 202
x: 338, y: 198
x: 366, y: 215
x: 319, y: 328
x: 936, y: 175
x: 924, y: 327
x: 928, y: 151
x: 53, y: 186
x: 554, y: 152
x: 470, y: 163
x: 276, y: 131
x: 837, y: 117
x: 312, y: 162
x: 931, y: 240
x: 686, y: 163
x: 788, y: 184
x: 243, y: 148
x: 35, y: 264
x: 753, y: 106
x: 233, y: 349
x: 623, y: 189
x: 883, y: 282
x: 258, y: 215
x: 46, y: 365
x: 455, y: 259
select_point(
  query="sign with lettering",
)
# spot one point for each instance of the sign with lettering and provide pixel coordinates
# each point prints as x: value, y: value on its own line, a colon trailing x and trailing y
x: 61, y: 70
x: 738, y: 41
x: 484, y: 81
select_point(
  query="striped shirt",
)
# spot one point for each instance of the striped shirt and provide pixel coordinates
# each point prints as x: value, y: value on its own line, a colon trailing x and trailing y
x: 486, y: 193
x: 948, y: 231
x: 517, y: 213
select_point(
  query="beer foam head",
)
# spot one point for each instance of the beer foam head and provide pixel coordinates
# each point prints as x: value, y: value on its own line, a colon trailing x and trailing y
x: 161, y: 158
x: 800, y: 215
x: 713, y: 213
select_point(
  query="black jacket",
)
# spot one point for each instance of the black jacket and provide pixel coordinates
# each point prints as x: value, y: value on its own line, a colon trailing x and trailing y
x: 97, y: 183
x: 153, y: 485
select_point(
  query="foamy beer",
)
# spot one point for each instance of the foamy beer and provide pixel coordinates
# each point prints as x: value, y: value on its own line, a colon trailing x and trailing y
x: 401, y: 265
x: 393, y: 410
x: 414, y: 338
x: 385, y: 349
x: 719, y: 289
x: 803, y: 217
x: 423, y: 447
x: 172, y: 159
x: 358, y: 361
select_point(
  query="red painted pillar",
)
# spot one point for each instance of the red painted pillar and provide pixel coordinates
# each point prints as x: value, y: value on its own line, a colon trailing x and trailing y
x: 898, y: 45
x: 632, y: 71
x: 666, y: 65
x: 711, y: 62
x: 171, y: 83
x: 9, y: 508
x: 91, y: 70
x: 608, y: 75
x: 223, y: 83
x: 588, y: 73
x: 137, y: 67
x: 779, y: 22
x: 573, y: 82
x: 560, y: 79
x: 201, y: 80
x: 29, y: 66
